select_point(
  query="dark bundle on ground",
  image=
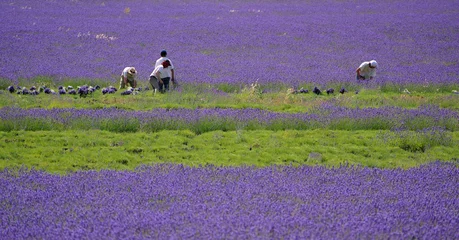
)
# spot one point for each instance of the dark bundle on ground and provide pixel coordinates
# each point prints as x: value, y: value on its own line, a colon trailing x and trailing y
x: 342, y: 90
x: 83, y: 91
x: 127, y: 92
x: 48, y: 91
x: 10, y: 89
x: 316, y: 91
x: 330, y: 91
x: 109, y: 90
x: 24, y: 91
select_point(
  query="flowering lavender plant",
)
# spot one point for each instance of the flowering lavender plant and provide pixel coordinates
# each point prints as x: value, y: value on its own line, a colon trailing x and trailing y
x: 173, y: 201
x: 292, y: 42
x: 204, y: 120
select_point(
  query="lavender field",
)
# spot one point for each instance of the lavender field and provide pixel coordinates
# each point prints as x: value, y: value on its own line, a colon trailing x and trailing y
x: 211, y: 119
x: 111, y: 165
x: 235, y: 42
x: 177, y: 202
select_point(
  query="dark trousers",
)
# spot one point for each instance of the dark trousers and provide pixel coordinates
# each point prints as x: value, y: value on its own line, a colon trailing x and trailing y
x: 162, y: 87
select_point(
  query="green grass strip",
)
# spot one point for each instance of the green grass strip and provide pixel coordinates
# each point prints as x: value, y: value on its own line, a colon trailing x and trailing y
x: 66, y: 151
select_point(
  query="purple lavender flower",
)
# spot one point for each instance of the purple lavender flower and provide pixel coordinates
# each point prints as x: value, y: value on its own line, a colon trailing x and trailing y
x: 316, y: 49
x: 167, y: 201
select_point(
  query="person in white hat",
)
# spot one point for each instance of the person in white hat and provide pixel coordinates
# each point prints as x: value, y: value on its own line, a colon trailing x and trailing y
x: 367, y: 70
x: 128, y: 77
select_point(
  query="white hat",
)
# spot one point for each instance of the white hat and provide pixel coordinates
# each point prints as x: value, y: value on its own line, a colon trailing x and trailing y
x: 132, y: 71
x: 374, y: 64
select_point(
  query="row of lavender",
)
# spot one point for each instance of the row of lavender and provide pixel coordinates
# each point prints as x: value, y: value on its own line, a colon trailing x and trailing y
x: 178, y: 202
x: 291, y: 41
x: 210, y: 119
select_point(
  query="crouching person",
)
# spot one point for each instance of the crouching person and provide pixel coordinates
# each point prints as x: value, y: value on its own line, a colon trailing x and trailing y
x: 159, y: 79
x: 128, y: 77
x: 366, y: 70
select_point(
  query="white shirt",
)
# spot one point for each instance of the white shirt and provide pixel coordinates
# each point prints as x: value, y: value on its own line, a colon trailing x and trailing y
x: 162, y: 71
x: 366, y: 71
x: 169, y: 69
x: 127, y: 74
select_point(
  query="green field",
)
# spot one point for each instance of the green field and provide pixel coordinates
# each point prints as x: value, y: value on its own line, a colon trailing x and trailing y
x: 61, y: 151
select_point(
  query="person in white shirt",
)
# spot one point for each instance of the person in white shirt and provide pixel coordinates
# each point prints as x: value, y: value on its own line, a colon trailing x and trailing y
x: 170, y: 70
x: 128, y: 77
x: 367, y: 70
x: 158, y: 78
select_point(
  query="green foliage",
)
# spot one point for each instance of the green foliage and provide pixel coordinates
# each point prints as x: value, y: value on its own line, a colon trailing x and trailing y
x: 419, y: 141
x: 124, y: 144
x: 273, y: 97
x: 63, y: 151
x: 424, y: 87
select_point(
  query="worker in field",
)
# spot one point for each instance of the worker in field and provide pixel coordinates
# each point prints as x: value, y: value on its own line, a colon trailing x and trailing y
x: 367, y: 70
x: 128, y: 77
x: 159, y: 79
x: 169, y: 74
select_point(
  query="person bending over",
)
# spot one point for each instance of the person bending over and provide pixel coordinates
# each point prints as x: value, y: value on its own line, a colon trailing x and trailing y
x: 367, y: 70
x: 128, y: 77
x: 159, y: 79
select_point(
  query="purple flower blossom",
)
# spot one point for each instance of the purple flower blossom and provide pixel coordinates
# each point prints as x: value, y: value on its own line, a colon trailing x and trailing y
x: 203, y: 120
x: 279, y: 202
x: 302, y: 41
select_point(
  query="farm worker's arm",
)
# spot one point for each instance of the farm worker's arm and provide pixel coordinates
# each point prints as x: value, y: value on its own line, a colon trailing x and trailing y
x: 158, y: 76
x: 124, y: 76
x: 358, y: 73
x: 173, y: 76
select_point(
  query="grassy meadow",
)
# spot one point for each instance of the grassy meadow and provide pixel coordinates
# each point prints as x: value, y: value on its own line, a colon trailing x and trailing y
x: 67, y: 149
